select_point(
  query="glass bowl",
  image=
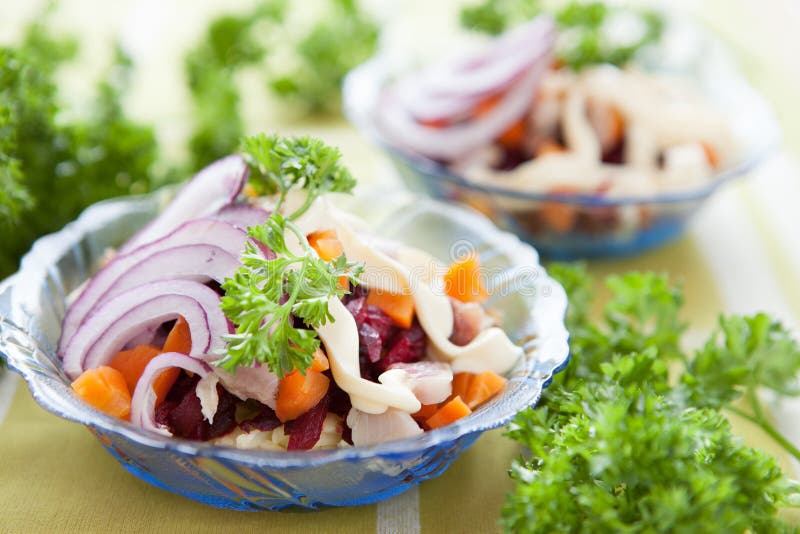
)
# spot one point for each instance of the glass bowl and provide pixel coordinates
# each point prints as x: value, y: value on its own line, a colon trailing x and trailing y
x: 600, y: 226
x: 33, y: 303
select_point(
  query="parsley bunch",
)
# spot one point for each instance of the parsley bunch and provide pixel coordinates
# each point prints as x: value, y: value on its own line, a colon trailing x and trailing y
x: 301, y: 64
x: 277, y: 302
x: 620, y: 445
x: 50, y: 169
x: 583, y: 39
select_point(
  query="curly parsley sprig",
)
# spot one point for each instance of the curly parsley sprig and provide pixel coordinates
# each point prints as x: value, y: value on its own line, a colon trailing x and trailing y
x: 618, y: 445
x: 276, y: 303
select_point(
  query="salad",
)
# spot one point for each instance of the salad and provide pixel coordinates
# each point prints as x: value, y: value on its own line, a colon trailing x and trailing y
x: 254, y: 313
x: 519, y: 117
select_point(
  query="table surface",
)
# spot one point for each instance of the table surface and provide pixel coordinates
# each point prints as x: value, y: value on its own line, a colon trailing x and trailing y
x: 741, y: 255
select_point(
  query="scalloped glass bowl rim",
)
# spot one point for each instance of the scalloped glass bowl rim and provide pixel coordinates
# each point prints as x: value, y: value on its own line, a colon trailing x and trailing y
x: 287, y: 459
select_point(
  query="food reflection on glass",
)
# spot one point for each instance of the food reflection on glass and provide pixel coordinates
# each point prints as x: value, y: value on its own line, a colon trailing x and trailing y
x: 255, y: 313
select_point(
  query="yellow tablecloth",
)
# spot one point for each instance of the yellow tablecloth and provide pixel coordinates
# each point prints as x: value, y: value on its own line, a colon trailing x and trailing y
x: 741, y: 255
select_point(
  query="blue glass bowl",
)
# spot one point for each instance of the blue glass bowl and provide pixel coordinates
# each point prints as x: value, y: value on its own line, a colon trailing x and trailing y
x: 603, y: 226
x: 33, y: 303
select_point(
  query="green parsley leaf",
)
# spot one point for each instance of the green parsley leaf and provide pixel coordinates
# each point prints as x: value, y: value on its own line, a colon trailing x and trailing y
x: 277, y: 302
x: 303, y: 65
x: 616, y: 446
x: 52, y: 168
x: 279, y: 164
x: 342, y: 38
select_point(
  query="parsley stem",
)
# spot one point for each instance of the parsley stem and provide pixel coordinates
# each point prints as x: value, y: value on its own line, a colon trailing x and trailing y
x: 755, y: 404
x: 299, y: 234
x: 767, y: 427
x: 304, y: 208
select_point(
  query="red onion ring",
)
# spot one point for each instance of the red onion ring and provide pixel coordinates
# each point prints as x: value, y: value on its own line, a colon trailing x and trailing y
x: 451, y: 89
x: 143, y: 401
x: 199, y: 263
x: 209, y: 190
x: 115, y: 322
x: 242, y: 215
x: 458, y: 140
x: 198, y: 232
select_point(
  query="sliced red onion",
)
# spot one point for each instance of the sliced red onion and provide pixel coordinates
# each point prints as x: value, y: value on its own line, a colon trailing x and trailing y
x: 371, y: 429
x: 453, y: 88
x: 209, y: 190
x: 431, y: 382
x: 106, y: 331
x: 242, y: 215
x: 143, y: 401
x: 200, y: 263
x: 424, y: 107
x: 205, y: 231
x: 497, y: 65
x: 458, y: 140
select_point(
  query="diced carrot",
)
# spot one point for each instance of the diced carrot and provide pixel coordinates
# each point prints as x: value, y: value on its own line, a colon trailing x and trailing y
x: 298, y: 393
x: 399, y: 307
x: 328, y: 246
x: 105, y: 389
x: 450, y: 412
x: 131, y: 363
x: 250, y: 191
x: 560, y: 216
x: 616, y: 126
x: 514, y: 137
x: 461, y: 382
x: 425, y: 412
x: 326, y: 243
x: 483, y: 387
x: 549, y: 147
x: 711, y: 155
x: 313, y: 237
x: 435, y: 123
x: 462, y: 280
x: 486, y: 105
x: 179, y: 338
x: 329, y: 249
x: 320, y: 362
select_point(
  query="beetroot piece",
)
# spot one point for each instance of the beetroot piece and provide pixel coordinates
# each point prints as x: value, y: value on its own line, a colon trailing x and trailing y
x: 356, y: 307
x: 347, y: 434
x: 370, y: 341
x: 305, y: 431
x: 378, y: 320
x: 356, y: 292
x: 182, y: 414
x: 381, y: 343
x: 264, y: 420
x: 409, y: 346
x: 340, y: 401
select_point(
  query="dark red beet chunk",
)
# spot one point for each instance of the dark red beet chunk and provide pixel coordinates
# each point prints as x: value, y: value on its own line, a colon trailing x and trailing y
x: 356, y: 307
x: 381, y: 343
x: 265, y: 420
x: 340, y: 401
x: 409, y: 346
x: 378, y: 320
x: 370, y: 341
x: 356, y: 292
x: 305, y: 431
x: 182, y: 414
